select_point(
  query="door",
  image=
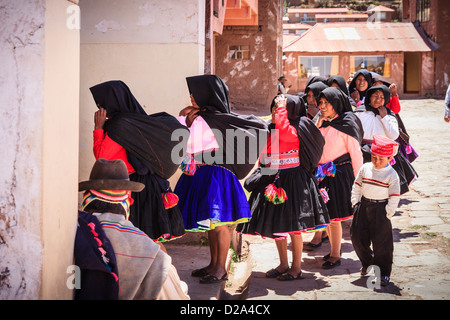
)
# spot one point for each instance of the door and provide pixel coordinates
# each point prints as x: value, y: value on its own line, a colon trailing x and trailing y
x: 412, y: 67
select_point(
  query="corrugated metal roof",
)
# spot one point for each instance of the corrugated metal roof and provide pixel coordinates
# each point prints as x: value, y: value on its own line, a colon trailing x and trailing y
x: 359, y: 37
x: 298, y: 26
x: 317, y: 10
x: 342, y: 16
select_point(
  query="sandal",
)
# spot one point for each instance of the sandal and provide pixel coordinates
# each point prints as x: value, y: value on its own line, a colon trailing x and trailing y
x: 327, y: 257
x: 213, y: 279
x: 311, y: 246
x: 330, y: 265
x: 199, y: 272
x: 273, y: 273
x: 289, y: 277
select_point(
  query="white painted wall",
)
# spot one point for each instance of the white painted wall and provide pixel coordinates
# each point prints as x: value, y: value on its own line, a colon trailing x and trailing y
x: 151, y: 45
x: 39, y: 85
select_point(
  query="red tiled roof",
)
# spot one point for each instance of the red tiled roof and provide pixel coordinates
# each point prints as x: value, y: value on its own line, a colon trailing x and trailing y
x: 359, y: 37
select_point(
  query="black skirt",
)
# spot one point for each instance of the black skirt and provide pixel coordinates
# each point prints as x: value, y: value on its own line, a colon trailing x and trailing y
x: 339, y: 189
x: 303, y: 211
x: 149, y: 214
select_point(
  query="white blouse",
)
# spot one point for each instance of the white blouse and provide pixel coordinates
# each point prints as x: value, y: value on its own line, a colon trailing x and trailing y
x: 375, y: 125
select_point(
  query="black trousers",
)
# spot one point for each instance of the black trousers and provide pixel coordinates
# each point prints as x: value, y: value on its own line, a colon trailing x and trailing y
x: 370, y: 226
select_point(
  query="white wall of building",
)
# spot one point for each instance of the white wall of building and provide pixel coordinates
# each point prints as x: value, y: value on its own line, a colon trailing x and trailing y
x: 151, y: 45
x: 39, y: 86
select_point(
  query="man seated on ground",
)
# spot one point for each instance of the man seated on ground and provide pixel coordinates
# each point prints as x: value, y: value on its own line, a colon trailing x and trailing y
x: 143, y: 270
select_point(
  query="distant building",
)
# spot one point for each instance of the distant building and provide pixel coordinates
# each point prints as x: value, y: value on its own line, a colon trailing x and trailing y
x: 397, y: 51
x: 382, y: 13
x: 355, y: 17
x: 295, y: 28
x: 308, y: 15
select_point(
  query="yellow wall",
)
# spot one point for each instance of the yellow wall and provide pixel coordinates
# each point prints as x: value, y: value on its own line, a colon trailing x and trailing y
x: 59, y: 149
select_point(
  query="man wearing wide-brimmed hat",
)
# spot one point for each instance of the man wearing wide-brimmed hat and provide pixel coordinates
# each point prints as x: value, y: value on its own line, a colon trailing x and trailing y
x: 143, y: 268
x: 282, y: 88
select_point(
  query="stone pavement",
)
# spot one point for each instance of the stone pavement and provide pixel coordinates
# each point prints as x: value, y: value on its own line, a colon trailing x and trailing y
x: 421, y: 269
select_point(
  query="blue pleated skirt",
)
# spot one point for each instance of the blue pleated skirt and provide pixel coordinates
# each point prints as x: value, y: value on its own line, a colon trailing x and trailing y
x: 212, y: 197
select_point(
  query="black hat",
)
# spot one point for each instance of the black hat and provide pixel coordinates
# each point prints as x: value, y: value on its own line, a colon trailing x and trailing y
x: 110, y: 175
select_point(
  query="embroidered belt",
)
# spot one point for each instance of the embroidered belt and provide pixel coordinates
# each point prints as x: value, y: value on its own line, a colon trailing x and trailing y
x: 328, y: 169
x: 283, y: 160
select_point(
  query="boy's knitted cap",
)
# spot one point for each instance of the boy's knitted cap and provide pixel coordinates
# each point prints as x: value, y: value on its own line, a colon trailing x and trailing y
x: 384, y: 147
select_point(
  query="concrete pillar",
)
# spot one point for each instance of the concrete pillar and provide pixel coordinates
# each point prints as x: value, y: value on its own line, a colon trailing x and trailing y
x: 39, y: 86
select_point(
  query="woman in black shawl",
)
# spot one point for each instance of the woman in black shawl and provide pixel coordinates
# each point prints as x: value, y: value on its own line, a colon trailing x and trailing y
x: 312, y: 92
x: 211, y: 196
x: 377, y: 119
x: 124, y: 131
x: 362, y: 81
x: 405, y: 146
x: 339, y: 82
x: 285, y: 198
x: 339, y: 164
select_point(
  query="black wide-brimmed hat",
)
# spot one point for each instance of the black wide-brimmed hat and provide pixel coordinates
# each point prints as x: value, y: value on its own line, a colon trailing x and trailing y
x: 110, y: 175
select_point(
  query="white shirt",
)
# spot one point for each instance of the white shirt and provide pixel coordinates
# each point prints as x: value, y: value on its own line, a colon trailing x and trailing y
x: 377, y: 184
x: 375, y: 125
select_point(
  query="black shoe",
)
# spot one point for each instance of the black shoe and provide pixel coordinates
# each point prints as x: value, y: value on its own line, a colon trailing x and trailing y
x: 289, y: 277
x: 199, y: 272
x: 273, y: 273
x: 311, y: 246
x: 331, y: 265
x: 326, y: 257
x: 213, y: 279
x: 363, y: 271
x: 384, y: 281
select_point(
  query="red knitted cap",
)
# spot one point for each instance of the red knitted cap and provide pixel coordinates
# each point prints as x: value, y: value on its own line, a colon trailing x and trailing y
x: 384, y: 147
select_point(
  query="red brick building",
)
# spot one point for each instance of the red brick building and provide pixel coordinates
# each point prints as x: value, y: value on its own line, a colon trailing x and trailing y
x: 433, y: 18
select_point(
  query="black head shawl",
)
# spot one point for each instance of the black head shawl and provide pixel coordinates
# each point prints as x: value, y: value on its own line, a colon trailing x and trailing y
x: 340, y: 81
x: 295, y: 106
x: 146, y: 138
x: 316, y: 88
x: 367, y: 75
x: 376, y: 77
x: 211, y: 95
x: 309, y: 136
x: 315, y: 79
x: 115, y: 97
x: 346, y: 122
x: 209, y: 92
x: 371, y: 91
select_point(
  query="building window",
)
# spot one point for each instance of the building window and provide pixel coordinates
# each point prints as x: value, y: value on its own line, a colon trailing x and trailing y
x: 239, y: 52
x: 423, y: 10
x: 324, y: 66
x: 378, y: 64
